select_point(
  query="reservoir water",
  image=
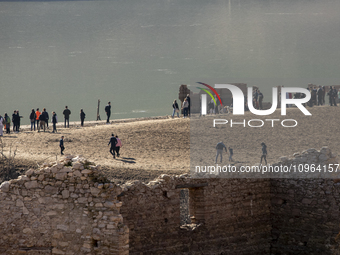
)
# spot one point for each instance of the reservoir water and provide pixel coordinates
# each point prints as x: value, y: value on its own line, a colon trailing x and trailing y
x: 136, y: 53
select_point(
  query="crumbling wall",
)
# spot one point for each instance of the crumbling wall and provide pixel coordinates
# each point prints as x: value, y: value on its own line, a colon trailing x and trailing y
x: 231, y: 216
x: 64, y: 208
x: 236, y: 216
x: 68, y: 208
x: 305, y: 211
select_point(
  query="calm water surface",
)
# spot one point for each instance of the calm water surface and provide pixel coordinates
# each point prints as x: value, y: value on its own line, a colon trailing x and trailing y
x: 136, y: 53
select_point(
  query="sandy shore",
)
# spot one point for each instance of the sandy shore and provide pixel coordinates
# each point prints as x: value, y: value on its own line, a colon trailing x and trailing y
x: 152, y: 146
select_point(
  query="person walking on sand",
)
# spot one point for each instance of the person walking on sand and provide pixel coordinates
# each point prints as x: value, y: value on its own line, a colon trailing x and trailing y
x: 33, y: 119
x: 67, y: 114
x: 231, y: 153
x: 82, y: 117
x: 61, y: 145
x: 264, y: 153
x: 175, y: 109
x: 54, y: 121
x: 113, y: 142
x: 37, y: 114
x: 118, y: 145
x: 8, y: 123
x: 108, y: 112
x: 219, y: 150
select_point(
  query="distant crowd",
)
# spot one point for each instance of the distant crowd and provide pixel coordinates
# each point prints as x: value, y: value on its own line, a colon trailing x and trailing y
x: 318, y: 97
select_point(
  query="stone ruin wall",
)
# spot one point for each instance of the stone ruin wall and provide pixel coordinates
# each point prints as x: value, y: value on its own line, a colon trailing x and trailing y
x: 231, y: 216
x: 305, y: 212
x: 236, y: 216
x: 62, y: 209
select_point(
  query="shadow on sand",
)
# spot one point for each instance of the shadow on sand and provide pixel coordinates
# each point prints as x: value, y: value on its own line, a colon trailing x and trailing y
x: 127, y: 160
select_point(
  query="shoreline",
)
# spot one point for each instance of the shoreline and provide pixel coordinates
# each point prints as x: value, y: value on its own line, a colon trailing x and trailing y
x: 90, y: 123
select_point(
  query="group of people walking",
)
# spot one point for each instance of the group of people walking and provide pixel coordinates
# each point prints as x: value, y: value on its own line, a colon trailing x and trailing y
x: 115, y: 143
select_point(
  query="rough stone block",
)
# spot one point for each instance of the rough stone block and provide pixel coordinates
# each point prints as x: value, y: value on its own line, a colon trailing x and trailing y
x: 31, y: 185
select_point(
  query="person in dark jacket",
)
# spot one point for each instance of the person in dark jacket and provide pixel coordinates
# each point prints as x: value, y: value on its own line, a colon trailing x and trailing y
x: 320, y: 95
x: 108, y: 112
x: 67, y: 114
x: 113, y: 142
x: 82, y: 117
x: 14, y: 120
x: 219, y: 150
x: 8, y: 123
x: 330, y: 95
x: 189, y: 103
x: 175, y: 109
x: 54, y: 121
x: 61, y: 145
x: 18, y: 117
x: 264, y: 153
x: 43, y: 119
x: 47, y: 117
x: 33, y: 119
x: 334, y: 96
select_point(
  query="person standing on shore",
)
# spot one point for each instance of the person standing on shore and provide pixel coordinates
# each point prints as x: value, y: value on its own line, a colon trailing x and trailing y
x: 32, y: 119
x: 54, y: 121
x: 320, y: 94
x: 219, y: 150
x: 67, y: 114
x: 175, y: 109
x: 61, y: 145
x: 188, y: 99
x: 82, y: 117
x: 113, y: 142
x: 2, y: 121
x: 118, y: 145
x: 185, y: 108
x: 323, y: 95
x: 264, y: 153
x: 18, y: 121
x: 108, y: 112
x: 47, y: 117
x: 37, y: 114
x: 8, y: 123
x: 335, y: 96
x: 43, y: 119
x: 14, y: 120
x: 260, y: 95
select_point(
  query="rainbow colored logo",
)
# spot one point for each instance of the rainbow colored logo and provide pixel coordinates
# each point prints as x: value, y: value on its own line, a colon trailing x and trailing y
x: 213, y: 90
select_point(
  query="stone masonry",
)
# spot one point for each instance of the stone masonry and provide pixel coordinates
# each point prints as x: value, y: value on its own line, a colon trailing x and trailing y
x: 68, y: 208
x: 62, y: 208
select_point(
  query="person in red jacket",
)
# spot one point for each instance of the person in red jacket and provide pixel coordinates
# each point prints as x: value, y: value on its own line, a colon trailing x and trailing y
x: 37, y: 114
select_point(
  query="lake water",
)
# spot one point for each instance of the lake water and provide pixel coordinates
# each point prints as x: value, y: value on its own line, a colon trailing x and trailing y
x: 136, y: 53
